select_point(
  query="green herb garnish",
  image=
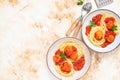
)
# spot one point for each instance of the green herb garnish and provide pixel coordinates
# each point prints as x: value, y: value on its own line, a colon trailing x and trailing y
x: 62, y: 55
x: 80, y: 2
x: 92, y: 23
x: 114, y: 28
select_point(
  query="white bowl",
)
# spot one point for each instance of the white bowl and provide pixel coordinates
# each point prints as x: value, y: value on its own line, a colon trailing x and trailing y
x: 51, y: 65
x: 111, y: 46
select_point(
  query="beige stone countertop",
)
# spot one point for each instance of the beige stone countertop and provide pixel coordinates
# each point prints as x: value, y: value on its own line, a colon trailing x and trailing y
x: 29, y: 27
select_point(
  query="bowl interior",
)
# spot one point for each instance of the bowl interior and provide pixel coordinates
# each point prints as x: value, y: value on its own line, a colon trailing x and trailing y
x: 51, y: 64
x: 110, y: 47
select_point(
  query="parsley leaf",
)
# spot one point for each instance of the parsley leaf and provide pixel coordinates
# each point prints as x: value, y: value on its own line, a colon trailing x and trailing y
x: 114, y: 28
x: 80, y: 2
x: 62, y: 55
x: 92, y: 23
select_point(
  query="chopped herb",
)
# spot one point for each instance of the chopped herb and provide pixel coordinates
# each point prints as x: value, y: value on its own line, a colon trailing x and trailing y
x: 62, y: 55
x: 114, y: 28
x: 92, y: 23
x: 80, y: 2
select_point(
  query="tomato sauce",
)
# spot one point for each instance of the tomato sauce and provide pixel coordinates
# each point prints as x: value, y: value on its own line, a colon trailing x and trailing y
x: 97, y: 19
x: 88, y: 29
x: 79, y: 64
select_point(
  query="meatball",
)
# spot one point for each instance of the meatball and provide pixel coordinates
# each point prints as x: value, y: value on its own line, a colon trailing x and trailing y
x: 71, y: 52
x: 65, y: 67
x: 98, y: 35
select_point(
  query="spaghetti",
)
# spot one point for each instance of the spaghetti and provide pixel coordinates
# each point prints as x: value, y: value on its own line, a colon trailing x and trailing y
x: 102, y: 30
x: 69, y: 58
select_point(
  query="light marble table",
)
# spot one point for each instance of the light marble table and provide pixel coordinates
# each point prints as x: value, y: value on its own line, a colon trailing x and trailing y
x: 29, y: 27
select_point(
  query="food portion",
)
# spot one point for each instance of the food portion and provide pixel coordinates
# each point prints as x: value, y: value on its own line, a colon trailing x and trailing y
x: 102, y: 30
x: 71, y: 52
x: 69, y: 58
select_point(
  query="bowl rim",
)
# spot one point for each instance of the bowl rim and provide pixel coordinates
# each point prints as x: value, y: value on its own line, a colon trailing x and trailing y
x: 85, y: 20
x: 68, y: 38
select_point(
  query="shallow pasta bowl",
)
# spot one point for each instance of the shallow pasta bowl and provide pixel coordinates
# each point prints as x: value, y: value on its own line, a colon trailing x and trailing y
x: 87, y: 20
x: 51, y: 65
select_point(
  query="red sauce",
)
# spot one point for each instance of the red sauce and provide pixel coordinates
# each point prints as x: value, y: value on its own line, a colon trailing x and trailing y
x: 57, y: 58
x: 109, y: 38
x: 88, y: 29
x: 78, y: 65
x: 109, y: 19
x: 97, y: 19
x: 109, y: 22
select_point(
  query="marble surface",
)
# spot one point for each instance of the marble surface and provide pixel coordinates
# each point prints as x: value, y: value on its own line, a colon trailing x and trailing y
x: 29, y: 27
